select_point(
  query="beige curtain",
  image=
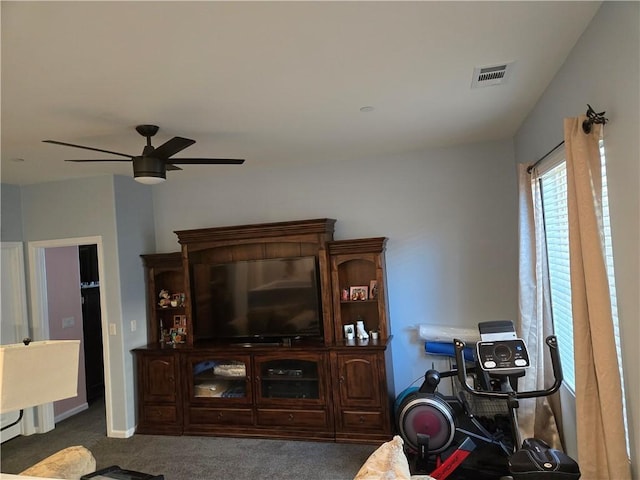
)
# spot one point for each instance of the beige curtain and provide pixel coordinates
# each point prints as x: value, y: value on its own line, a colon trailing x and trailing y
x: 536, y: 416
x: 601, y: 435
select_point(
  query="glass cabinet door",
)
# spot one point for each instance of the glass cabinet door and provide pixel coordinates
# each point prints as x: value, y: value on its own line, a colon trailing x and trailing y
x: 280, y: 380
x: 219, y: 379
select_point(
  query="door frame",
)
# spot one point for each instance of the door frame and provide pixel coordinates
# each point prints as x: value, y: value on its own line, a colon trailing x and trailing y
x: 16, y: 268
x: 40, y: 316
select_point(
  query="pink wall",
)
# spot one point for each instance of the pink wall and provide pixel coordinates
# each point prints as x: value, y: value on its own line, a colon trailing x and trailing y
x: 65, y: 302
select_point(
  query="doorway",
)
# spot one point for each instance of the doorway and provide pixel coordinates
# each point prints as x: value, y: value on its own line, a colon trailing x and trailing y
x: 91, y: 322
x: 39, y: 307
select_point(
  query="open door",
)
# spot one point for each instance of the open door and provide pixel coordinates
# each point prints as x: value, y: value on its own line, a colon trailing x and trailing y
x: 92, y: 322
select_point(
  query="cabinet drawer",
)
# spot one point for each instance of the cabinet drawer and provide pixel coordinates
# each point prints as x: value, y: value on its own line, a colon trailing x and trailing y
x: 221, y: 416
x: 292, y: 418
x: 352, y: 420
x: 160, y: 414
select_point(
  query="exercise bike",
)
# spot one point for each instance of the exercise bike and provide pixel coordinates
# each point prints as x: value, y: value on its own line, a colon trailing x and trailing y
x: 445, y: 438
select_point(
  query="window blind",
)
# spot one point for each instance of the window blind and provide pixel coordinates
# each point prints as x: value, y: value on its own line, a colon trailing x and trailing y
x: 612, y: 285
x: 556, y: 224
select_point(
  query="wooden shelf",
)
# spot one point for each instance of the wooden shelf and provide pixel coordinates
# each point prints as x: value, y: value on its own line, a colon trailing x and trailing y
x: 342, y: 392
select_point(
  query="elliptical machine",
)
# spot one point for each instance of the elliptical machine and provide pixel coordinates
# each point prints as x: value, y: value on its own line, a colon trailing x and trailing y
x: 445, y: 439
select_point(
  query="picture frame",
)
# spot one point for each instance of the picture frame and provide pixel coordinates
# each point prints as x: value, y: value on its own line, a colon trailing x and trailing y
x: 177, y: 336
x: 349, y: 331
x: 373, y: 289
x: 359, y: 293
x: 180, y: 322
x: 177, y: 300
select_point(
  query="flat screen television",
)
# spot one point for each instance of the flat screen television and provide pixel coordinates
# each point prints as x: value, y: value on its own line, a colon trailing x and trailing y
x: 257, y: 300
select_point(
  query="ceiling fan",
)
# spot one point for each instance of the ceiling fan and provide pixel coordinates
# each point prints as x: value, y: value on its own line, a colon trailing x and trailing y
x: 151, y: 167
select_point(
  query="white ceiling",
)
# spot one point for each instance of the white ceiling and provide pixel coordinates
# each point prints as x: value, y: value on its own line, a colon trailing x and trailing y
x: 276, y: 83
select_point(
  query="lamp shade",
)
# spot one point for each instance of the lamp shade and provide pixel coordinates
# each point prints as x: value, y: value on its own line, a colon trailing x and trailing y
x: 37, y: 373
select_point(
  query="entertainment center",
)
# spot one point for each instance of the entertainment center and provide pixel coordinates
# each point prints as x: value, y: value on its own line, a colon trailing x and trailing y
x: 261, y: 330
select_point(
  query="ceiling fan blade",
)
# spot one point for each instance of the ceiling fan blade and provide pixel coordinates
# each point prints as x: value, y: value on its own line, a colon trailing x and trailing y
x: 55, y: 142
x: 172, y: 167
x: 171, y: 147
x: 101, y: 160
x: 207, y: 161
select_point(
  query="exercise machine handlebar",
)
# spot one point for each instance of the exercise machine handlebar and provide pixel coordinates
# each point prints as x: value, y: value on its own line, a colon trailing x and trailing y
x: 551, y: 342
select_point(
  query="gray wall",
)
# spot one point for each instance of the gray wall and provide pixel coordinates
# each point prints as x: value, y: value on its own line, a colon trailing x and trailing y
x: 135, y: 232
x: 11, y: 213
x: 450, y: 216
x: 87, y: 208
x: 603, y: 70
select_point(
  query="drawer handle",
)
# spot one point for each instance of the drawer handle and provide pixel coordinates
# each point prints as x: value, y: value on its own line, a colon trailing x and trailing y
x: 291, y: 417
x: 361, y: 419
x: 220, y: 415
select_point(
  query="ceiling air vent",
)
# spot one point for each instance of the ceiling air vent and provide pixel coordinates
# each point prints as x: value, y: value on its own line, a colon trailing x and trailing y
x: 493, y: 75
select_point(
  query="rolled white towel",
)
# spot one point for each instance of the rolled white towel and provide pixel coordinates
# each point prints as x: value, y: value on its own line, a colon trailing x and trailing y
x: 441, y: 333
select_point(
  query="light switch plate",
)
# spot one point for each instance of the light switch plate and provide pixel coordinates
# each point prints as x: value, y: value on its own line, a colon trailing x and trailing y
x: 68, y: 322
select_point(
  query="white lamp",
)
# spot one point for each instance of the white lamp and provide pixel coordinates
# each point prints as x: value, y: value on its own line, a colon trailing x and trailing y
x: 33, y: 373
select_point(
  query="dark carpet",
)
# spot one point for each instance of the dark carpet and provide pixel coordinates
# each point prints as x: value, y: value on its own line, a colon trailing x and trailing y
x: 187, y: 457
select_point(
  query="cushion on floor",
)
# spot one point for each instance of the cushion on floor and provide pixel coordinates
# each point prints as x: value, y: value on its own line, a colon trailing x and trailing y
x: 388, y: 462
x: 68, y: 464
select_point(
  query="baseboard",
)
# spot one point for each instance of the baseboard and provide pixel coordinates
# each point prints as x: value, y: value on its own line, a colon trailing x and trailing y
x: 70, y: 413
x: 121, y: 433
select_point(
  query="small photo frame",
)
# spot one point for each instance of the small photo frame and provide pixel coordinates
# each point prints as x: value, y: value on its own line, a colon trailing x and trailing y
x: 358, y: 293
x: 349, y: 331
x: 373, y: 289
x: 177, y: 336
x: 177, y: 300
x: 179, y: 321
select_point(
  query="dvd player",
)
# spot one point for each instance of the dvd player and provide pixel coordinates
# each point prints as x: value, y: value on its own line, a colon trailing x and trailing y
x: 284, y: 372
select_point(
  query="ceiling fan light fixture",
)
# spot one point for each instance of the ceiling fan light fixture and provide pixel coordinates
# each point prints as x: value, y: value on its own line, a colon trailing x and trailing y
x: 149, y: 170
x: 149, y: 180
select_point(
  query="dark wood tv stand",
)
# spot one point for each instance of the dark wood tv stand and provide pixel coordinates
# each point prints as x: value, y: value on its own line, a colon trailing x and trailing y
x: 329, y: 388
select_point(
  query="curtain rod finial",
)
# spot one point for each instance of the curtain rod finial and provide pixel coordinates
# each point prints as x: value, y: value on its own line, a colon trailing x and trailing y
x: 593, y: 117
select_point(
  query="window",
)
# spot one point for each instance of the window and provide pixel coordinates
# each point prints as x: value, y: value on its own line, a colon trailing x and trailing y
x: 553, y: 183
x: 556, y: 224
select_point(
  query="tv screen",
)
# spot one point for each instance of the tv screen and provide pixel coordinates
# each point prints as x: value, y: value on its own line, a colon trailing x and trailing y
x: 257, y: 299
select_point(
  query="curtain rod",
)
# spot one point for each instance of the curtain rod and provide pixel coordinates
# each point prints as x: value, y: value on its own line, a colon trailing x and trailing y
x: 537, y: 162
x: 592, y: 117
